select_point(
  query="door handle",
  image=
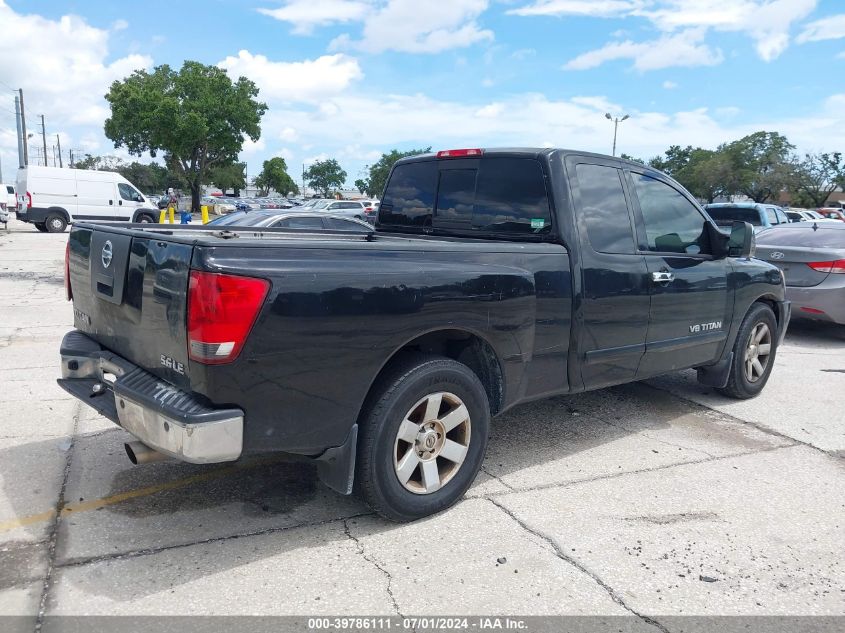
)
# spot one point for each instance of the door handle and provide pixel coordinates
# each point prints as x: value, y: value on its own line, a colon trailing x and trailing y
x: 111, y: 201
x: 662, y: 277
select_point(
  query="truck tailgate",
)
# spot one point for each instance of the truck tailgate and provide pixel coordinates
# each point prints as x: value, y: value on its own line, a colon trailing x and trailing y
x: 130, y: 295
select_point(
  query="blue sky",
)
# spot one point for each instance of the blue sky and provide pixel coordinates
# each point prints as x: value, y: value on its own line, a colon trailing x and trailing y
x: 352, y: 78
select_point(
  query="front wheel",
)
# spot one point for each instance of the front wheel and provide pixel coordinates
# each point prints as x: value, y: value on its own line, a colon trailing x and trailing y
x: 423, y: 438
x: 754, y: 353
x: 145, y: 218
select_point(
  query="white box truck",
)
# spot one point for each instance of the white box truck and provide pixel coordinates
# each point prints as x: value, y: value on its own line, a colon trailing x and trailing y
x: 53, y: 197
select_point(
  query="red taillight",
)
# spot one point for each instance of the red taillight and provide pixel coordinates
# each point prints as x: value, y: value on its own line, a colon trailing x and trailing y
x: 221, y: 311
x: 837, y: 266
x: 459, y: 153
x: 28, y: 200
x: 811, y: 310
x: 68, y: 291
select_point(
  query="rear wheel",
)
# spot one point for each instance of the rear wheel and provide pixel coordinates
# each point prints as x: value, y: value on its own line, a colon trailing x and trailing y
x: 423, y: 439
x: 55, y: 223
x: 41, y: 227
x: 754, y: 353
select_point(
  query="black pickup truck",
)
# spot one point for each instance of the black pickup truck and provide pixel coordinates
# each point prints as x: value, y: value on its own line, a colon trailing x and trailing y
x: 494, y: 277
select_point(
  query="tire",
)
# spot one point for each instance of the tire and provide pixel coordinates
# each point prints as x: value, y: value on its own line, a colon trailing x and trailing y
x: 404, y: 400
x: 55, y: 223
x: 145, y: 218
x: 746, y: 378
x: 42, y: 228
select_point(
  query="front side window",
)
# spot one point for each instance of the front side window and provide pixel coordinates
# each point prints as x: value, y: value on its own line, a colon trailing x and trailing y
x: 604, y: 209
x: 340, y: 224
x: 127, y: 192
x: 673, y: 224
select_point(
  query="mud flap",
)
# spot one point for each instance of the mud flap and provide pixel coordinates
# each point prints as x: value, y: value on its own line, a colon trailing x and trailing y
x: 336, y: 466
x: 716, y: 375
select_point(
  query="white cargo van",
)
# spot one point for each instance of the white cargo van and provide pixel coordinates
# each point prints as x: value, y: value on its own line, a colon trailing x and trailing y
x: 8, y: 196
x: 53, y: 197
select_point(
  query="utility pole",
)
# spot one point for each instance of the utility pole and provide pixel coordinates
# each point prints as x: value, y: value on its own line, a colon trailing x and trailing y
x: 616, y: 123
x: 21, y: 139
x: 44, y: 139
x: 23, y: 130
x: 59, y: 145
x: 303, y: 180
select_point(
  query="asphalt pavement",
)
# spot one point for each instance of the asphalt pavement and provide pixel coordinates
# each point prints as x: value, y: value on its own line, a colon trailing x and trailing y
x: 649, y: 500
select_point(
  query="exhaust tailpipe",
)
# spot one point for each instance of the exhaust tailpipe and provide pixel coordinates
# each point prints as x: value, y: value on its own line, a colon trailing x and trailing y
x: 140, y: 453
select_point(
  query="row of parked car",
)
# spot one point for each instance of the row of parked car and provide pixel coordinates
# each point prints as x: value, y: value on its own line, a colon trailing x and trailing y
x: 764, y: 216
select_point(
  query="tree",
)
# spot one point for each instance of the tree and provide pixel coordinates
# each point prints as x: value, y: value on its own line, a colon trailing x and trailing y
x: 816, y: 177
x: 379, y: 171
x: 633, y: 159
x: 274, y: 175
x: 197, y: 116
x: 228, y: 176
x: 325, y: 175
x: 762, y: 165
x: 362, y: 186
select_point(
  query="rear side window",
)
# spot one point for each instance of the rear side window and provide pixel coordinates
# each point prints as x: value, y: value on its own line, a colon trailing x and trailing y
x: 771, y: 216
x: 10, y: 189
x: 345, y: 225
x: 409, y: 197
x: 604, y: 209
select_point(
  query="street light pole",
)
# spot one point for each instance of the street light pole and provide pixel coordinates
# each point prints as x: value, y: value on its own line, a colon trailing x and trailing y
x: 616, y: 122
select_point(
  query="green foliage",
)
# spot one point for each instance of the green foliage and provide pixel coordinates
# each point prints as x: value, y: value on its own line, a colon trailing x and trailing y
x: 325, y: 175
x: 379, y: 171
x: 762, y: 165
x: 274, y: 175
x: 148, y: 177
x: 816, y: 177
x: 228, y: 176
x: 196, y: 115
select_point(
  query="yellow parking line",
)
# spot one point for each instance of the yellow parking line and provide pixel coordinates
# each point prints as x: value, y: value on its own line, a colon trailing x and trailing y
x: 95, y: 504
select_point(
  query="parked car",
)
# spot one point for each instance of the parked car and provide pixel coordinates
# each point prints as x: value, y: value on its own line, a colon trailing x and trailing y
x: 9, y: 197
x: 494, y: 277
x: 758, y: 215
x: 832, y: 213
x: 812, y: 258
x: 300, y: 220
x: 346, y: 208
x: 56, y: 197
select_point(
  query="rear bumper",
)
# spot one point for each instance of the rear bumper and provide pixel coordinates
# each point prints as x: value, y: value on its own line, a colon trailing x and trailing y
x: 161, y: 416
x: 820, y: 303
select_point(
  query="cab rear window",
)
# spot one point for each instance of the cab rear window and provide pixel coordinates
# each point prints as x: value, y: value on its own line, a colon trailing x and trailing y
x: 490, y: 195
x: 726, y: 216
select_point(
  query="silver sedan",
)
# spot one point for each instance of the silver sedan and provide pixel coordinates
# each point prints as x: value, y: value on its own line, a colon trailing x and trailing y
x: 812, y: 258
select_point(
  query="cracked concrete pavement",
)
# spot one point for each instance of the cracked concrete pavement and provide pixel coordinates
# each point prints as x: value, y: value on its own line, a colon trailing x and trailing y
x: 655, y: 499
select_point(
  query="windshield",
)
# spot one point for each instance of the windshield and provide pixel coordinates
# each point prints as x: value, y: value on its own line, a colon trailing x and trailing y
x: 726, y: 216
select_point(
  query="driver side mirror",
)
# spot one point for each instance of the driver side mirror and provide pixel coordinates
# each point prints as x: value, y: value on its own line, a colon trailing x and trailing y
x: 741, y: 241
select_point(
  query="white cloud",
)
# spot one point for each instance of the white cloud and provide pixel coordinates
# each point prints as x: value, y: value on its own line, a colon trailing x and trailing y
x: 307, y: 80
x: 411, y: 26
x: 305, y: 15
x: 591, y: 8
x: 669, y: 85
x: 829, y: 28
x: 684, y: 48
x: 61, y: 65
x: 766, y: 22
x: 289, y: 135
